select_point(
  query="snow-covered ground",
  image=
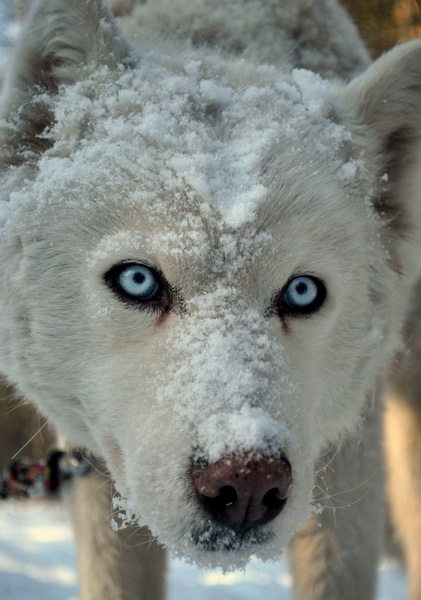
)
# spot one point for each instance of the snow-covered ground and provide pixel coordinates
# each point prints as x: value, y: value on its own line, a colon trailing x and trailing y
x: 37, y: 562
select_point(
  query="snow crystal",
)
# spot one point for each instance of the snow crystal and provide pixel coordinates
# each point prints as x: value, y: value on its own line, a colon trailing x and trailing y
x: 349, y: 170
x: 124, y: 513
x: 315, y: 92
x: 223, y: 433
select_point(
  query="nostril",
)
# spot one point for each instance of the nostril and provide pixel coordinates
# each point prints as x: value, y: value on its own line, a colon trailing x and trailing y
x: 273, y: 500
x: 227, y: 496
x: 222, y: 503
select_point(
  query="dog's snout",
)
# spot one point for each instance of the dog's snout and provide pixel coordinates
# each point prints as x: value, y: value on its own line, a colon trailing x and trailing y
x: 242, y: 490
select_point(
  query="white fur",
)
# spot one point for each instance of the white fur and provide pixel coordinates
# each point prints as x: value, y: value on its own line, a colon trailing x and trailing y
x: 230, y: 174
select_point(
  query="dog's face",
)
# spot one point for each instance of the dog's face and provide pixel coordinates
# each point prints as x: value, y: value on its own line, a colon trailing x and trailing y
x: 198, y: 287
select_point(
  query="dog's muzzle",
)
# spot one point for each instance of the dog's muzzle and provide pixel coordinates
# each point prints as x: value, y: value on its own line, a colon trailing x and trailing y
x: 242, y: 491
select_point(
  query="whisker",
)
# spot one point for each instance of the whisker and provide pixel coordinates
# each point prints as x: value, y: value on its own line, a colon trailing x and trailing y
x: 30, y: 440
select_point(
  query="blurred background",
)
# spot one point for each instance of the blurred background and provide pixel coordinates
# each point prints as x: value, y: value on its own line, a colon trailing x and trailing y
x: 384, y: 23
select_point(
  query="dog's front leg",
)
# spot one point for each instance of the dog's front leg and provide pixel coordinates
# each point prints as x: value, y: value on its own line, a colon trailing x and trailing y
x: 335, y: 555
x: 403, y: 446
x: 123, y: 565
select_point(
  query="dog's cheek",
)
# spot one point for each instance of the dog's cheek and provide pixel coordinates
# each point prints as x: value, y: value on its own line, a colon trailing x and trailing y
x: 13, y: 313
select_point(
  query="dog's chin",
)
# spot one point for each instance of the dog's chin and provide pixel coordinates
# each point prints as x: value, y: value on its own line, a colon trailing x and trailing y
x: 212, y: 538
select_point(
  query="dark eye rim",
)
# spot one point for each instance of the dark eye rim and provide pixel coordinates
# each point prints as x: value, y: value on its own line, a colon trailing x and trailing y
x: 283, y: 309
x: 160, y: 301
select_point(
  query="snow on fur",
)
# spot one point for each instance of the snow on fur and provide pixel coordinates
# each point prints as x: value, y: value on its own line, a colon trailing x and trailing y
x: 207, y: 137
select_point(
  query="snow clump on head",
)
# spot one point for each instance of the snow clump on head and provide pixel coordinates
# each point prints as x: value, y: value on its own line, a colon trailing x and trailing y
x: 183, y: 127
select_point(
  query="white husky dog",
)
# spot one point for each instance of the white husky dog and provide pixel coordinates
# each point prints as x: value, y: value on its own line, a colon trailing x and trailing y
x: 206, y: 259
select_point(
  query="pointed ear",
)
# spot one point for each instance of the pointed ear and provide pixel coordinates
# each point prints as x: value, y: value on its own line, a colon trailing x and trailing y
x: 63, y: 41
x: 384, y: 108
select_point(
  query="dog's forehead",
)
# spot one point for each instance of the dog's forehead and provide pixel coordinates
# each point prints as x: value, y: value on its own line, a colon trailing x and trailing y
x: 197, y: 251
x: 198, y: 127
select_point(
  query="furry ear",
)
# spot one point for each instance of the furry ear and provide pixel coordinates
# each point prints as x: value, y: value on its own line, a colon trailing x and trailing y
x: 384, y: 106
x: 62, y: 41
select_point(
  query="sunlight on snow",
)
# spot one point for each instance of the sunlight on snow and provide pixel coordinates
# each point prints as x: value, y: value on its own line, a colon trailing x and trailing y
x: 251, y: 575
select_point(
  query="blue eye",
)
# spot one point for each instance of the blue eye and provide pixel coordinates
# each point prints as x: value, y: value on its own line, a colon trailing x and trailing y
x: 136, y: 281
x: 303, y: 294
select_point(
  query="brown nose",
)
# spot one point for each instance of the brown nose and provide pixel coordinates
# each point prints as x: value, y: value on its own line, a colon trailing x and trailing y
x: 242, y: 490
